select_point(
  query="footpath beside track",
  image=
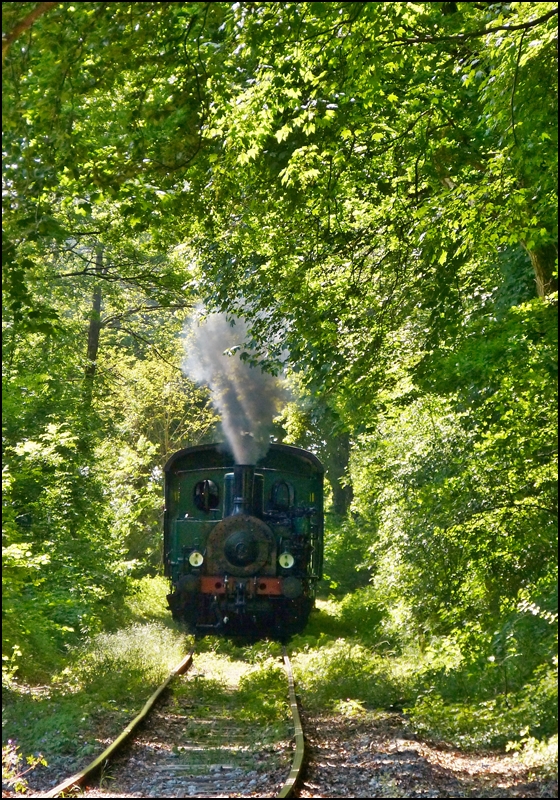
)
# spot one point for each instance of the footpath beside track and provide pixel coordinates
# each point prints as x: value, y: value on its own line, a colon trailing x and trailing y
x: 205, y: 733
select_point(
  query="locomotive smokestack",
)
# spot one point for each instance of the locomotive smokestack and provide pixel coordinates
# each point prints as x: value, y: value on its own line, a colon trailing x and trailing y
x: 243, y: 489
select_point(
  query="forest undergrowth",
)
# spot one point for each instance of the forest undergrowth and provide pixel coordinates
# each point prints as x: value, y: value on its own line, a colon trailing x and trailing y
x: 352, y: 659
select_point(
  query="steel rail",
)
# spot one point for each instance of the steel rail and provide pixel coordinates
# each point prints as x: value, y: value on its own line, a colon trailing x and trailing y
x: 290, y: 782
x: 79, y: 777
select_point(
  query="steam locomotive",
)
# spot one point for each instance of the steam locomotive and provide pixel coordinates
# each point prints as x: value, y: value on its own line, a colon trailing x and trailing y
x: 243, y: 544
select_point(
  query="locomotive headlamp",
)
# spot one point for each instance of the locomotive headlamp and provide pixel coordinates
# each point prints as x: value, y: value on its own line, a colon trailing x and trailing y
x: 196, y: 559
x: 286, y: 560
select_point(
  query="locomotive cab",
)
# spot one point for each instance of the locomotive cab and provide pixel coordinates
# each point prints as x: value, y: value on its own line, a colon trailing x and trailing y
x: 243, y: 543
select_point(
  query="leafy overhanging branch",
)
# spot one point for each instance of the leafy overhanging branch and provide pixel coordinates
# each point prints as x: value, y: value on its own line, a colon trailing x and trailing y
x: 9, y: 38
x: 461, y: 37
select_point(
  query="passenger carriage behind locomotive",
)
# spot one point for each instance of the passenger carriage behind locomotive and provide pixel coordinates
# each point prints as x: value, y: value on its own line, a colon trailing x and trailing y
x: 243, y: 544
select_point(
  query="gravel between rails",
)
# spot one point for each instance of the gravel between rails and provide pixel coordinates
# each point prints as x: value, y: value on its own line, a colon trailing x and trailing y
x: 193, y: 747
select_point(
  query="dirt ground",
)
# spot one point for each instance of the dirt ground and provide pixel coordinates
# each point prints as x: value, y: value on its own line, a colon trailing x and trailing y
x: 375, y: 756
x: 370, y: 755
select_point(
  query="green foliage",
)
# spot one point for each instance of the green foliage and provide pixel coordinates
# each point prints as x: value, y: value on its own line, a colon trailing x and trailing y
x: 120, y: 666
x: 262, y: 651
x: 541, y: 757
x: 146, y: 599
x: 59, y: 570
x: 460, y: 487
x: 14, y: 771
x: 346, y: 552
x: 346, y: 670
x: 493, y: 722
x: 451, y: 694
x: 82, y: 497
x: 263, y: 693
x: 379, y: 170
x: 361, y: 615
x: 357, y: 614
x: 106, y: 680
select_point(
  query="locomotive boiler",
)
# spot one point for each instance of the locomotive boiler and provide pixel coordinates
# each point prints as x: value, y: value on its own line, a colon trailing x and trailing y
x: 243, y: 544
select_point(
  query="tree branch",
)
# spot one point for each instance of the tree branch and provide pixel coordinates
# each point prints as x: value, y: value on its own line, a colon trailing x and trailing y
x: 108, y: 321
x: 513, y: 88
x: 461, y: 37
x: 27, y: 22
x: 150, y: 344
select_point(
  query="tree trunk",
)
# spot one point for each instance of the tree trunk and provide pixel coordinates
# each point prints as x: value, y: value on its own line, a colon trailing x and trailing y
x: 94, y: 332
x: 543, y: 260
x: 336, y: 463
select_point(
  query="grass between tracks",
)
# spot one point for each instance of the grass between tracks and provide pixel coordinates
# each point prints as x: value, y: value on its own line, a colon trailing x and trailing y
x: 345, y: 663
x: 102, y: 684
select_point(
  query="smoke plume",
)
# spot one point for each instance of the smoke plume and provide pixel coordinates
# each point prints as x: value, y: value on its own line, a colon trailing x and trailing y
x: 246, y: 398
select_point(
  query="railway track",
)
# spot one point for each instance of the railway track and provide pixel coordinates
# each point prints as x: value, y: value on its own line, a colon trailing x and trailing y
x: 197, y: 740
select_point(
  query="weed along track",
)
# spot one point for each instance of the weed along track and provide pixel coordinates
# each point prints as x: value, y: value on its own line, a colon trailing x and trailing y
x: 226, y: 727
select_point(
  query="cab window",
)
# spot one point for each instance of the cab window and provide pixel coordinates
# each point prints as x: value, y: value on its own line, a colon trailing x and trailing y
x: 282, y: 495
x: 206, y: 496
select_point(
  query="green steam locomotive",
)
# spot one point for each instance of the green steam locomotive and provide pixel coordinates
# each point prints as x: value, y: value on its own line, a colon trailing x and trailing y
x: 243, y: 544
